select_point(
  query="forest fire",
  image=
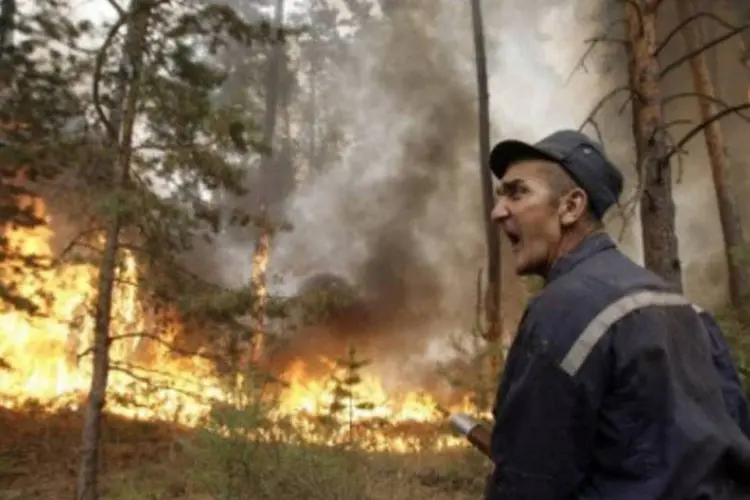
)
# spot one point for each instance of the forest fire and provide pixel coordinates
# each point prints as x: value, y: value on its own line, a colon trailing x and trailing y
x: 46, y: 361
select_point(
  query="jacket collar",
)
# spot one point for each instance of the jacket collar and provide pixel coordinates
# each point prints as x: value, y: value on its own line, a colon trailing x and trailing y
x: 590, y: 246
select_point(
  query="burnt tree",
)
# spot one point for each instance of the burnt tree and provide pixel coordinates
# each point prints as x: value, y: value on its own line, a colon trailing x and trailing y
x: 493, y: 331
x: 269, y: 163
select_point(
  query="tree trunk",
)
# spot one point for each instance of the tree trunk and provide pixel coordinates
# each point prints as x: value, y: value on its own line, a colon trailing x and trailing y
x: 657, y: 209
x: 133, y: 60
x: 268, y: 165
x: 730, y: 223
x: 493, y: 333
x: 273, y: 77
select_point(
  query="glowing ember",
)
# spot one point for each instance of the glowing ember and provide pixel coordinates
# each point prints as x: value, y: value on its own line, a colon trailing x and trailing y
x: 48, y: 361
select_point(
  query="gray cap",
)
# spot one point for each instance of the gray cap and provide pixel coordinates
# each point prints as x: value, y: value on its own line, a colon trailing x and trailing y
x: 582, y: 158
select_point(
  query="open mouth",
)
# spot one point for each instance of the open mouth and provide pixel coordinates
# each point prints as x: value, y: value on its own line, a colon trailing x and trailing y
x: 514, y: 239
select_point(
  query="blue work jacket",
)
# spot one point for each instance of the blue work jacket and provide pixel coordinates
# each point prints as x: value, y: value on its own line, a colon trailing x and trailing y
x: 618, y: 388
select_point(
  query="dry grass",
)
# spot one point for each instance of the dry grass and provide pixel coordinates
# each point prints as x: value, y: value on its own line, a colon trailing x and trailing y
x: 152, y: 461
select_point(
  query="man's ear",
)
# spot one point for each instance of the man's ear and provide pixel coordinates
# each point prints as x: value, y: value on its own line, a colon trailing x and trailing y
x: 573, y: 206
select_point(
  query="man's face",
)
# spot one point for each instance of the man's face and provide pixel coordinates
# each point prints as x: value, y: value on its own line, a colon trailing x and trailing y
x: 527, y: 211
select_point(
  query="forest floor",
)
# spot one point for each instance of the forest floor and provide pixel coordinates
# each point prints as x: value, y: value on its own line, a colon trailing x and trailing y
x: 155, y: 461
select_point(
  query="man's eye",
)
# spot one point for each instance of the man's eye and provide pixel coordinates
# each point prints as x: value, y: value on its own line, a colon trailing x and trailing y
x: 515, y: 194
x: 511, y: 192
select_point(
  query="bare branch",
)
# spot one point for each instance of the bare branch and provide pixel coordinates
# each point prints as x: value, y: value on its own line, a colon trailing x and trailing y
x: 581, y: 64
x: 131, y: 371
x: 680, y: 154
x: 699, y: 128
x: 596, y: 128
x: 606, y: 39
x: 591, y: 42
x: 120, y: 11
x: 610, y: 95
x: 75, y: 241
x: 681, y: 121
x: 687, y: 21
x: 715, y: 100
x: 713, y: 43
x: 165, y: 343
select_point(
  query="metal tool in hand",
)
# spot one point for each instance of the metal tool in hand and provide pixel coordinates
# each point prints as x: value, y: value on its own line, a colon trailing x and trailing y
x: 476, y: 433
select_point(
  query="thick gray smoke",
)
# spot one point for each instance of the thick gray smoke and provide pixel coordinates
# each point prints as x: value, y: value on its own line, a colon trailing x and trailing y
x: 400, y: 217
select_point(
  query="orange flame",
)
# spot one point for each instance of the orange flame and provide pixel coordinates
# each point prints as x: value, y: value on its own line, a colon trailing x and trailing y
x: 44, y: 362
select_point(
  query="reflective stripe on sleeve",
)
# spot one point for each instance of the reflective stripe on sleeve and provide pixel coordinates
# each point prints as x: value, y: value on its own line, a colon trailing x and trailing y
x: 611, y: 314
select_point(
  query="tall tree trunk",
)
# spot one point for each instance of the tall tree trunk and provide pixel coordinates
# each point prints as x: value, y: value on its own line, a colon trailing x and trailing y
x: 133, y: 61
x: 267, y: 168
x: 657, y: 209
x: 493, y: 333
x: 273, y: 77
x: 729, y: 218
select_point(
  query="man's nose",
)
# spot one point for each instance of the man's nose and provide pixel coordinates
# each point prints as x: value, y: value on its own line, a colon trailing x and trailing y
x: 499, y: 212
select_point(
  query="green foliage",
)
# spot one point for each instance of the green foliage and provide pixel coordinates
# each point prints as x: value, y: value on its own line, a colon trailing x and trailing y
x: 739, y: 343
x: 240, y: 452
x: 218, y: 305
x: 733, y: 323
x: 348, y: 399
x: 322, y: 298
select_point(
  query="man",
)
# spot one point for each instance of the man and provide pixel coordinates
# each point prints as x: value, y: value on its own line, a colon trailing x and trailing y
x: 615, y: 387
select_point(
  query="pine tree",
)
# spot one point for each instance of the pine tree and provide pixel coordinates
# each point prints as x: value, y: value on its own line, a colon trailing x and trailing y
x: 347, y: 397
x: 154, y: 200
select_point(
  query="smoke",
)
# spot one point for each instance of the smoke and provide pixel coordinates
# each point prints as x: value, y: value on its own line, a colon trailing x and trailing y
x: 399, y: 218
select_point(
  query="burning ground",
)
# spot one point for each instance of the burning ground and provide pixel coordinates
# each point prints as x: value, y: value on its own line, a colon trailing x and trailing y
x: 161, y: 428
x: 46, y: 359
